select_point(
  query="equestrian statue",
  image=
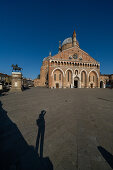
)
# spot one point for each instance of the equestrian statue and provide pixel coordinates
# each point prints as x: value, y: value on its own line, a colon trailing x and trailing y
x: 16, y: 68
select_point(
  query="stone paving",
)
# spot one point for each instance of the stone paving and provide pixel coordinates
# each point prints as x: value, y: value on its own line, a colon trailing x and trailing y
x: 78, y: 125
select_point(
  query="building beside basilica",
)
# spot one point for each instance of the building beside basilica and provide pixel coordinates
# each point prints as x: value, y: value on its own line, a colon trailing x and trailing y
x: 72, y: 67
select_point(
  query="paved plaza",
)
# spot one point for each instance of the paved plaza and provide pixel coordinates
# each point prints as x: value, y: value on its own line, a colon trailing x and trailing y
x: 78, y: 127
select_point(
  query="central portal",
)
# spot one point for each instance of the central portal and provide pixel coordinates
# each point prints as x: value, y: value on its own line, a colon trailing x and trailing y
x: 57, y: 85
x: 75, y: 83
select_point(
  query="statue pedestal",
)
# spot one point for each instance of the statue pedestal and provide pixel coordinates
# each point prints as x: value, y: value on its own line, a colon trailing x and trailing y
x: 16, y: 82
x: 1, y: 86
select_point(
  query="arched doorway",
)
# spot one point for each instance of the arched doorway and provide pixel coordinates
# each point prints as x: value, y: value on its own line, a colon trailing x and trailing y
x: 57, y: 85
x: 76, y: 82
x: 101, y: 84
x: 91, y: 85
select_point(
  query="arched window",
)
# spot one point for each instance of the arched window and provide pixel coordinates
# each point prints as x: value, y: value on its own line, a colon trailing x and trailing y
x: 52, y: 62
x: 55, y: 62
x: 76, y: 72
x: 82, y: 77
x: 89, y: 78
x: 58, y: 63
x: 59, y: 76
x: 68, y: 75
x: 47, y: 77
x: 93, y: 78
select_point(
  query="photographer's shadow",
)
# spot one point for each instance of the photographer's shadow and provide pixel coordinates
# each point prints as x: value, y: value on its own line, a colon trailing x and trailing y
x: 40, y: 141
x: 41, y: 130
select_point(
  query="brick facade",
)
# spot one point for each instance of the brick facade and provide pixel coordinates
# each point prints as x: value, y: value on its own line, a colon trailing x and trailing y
x: 71, y: 67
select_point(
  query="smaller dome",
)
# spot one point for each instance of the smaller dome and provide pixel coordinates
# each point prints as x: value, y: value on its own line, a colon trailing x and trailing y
x: 67, y: 41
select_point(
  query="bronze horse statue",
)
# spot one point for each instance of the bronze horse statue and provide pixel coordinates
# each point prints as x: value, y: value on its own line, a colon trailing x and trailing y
x: 16, y: 68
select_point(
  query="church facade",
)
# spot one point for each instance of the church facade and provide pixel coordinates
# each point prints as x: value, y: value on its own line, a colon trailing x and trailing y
x: 72, y: 67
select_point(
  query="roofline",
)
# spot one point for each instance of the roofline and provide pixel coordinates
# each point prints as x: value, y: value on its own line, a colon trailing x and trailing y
x: 79, y: 49
x: 4, y: 74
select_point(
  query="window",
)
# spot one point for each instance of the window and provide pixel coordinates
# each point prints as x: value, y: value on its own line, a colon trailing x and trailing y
x: 47, y: 77
x: 93, y: 78
x: 55, y: 77
x: 59, y: 76
x: 76, y: 72
x: 82, y: 77
x: 75, y: 56
x: 68, y: 75
x: 89, y: 78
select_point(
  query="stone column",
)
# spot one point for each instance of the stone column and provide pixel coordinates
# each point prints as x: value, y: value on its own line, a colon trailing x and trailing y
x: 98, y: 82
x: 87, y: 81
x: 64, y: 81
x: 16, y: 81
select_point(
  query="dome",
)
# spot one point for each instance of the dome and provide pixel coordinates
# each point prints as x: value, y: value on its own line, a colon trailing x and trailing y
x: 67, y: 41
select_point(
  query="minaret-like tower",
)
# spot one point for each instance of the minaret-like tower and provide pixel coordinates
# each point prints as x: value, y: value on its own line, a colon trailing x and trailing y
x: 74, y: 40
x: 50, y: 54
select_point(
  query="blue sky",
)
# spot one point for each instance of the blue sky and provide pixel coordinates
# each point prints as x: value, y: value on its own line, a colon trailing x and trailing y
x: 29, y: 29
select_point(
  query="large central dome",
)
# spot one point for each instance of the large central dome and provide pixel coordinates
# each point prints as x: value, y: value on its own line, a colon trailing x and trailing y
x: 67, y: 41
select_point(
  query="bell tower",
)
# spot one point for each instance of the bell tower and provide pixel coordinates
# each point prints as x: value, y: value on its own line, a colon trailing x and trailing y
x: 74, y: 40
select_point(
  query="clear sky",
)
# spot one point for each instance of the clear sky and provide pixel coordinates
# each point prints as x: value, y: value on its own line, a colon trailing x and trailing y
x: 29, y: 29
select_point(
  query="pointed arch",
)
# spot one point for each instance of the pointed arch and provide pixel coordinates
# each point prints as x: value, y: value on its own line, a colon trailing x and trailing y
x: 93, y: 71
x: 58, y: 68
x: 69, y: 77
x: 93, y: 78
x: 83, y: 74
x: 68, y: 69
x: 83, y: 70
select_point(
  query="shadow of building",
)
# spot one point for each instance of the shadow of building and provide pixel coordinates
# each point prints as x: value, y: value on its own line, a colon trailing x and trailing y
x: 107, y: 156
x: 15, y: 153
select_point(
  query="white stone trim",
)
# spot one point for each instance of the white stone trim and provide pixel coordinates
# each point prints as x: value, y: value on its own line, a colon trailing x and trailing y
x: 84, y: 71
x: 75, y: 70
x: 68, y: 69
x: 58, y: 68
x: 95, y: 72
x: 16, y: 73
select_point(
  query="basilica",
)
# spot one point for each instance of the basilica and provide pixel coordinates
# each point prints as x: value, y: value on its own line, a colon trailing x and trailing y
x: 72, y: 67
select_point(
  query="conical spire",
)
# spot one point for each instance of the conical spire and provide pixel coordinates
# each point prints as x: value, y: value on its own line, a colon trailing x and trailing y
x: 74, y: 41
x: 74, y: 33
x: 50, y: 54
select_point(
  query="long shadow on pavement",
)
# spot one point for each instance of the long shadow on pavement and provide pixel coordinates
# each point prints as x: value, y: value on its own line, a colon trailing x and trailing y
x: 104, y: 99
x: 107, y: 156
x: 41, y: 130
x: 15, y: 153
